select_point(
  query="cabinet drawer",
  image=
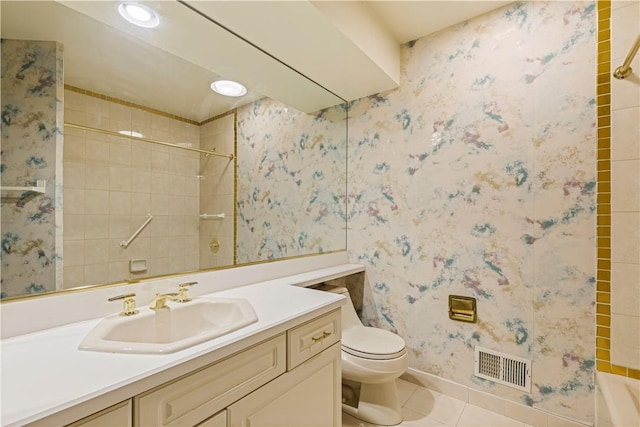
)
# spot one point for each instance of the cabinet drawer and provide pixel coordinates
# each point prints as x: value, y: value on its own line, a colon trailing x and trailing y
x: 218, y: 420
x: 117, y: 415
x: 192, y: 399
x: 311, y: 338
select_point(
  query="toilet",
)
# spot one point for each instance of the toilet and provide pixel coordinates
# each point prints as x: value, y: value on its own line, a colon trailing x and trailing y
x: 375, y: 358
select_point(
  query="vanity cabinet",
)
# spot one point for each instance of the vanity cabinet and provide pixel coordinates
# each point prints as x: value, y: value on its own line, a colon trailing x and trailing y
x: 189, y: 400
x: 117, y: 415
x: 309, y: 395
x: 292, y: 379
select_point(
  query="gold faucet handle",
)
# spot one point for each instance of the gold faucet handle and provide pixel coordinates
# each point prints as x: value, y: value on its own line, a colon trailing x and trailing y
x: 129, y: 304
x: 183, y: 291
x: 160, y: 300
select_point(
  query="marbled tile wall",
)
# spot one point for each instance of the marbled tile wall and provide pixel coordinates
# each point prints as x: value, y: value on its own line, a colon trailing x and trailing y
x: 217, y: 192
x: 477, y: 177
x: 32, y: 95
x: 291, y: 181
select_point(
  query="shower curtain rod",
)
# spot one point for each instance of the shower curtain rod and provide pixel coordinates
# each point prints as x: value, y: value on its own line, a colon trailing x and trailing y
x: 625, y: 70
x: 152, y: 141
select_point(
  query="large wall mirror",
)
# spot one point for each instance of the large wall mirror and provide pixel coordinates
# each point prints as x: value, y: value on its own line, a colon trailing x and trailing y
x: 119, y: 163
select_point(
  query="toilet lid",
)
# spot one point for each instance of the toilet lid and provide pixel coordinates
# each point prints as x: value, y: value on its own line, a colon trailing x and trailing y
x: 372, y: 343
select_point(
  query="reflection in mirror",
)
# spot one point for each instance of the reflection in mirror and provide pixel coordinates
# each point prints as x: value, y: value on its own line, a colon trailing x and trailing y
x: 121, y: 132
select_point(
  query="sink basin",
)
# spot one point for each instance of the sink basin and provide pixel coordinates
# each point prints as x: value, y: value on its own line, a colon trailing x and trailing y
x: 170, y: 329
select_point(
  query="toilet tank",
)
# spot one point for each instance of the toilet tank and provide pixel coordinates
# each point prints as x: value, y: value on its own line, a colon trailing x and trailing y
x: 349, y: 317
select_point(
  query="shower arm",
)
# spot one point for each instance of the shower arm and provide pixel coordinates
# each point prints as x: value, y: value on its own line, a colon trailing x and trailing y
x: 625, y: 70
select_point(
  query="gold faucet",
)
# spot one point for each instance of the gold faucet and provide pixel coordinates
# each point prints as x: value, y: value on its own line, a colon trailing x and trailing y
x: 183, y: 291
x: 129, y: 308
x: 160, y: 301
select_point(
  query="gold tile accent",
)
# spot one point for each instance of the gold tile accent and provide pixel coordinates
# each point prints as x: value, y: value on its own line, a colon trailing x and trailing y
x: 605, y: 99
x: 604, y: 109
x: 128, y: 104
x: 603, y: 343
x: 604, y: 208
x: 603, y: 332
x: 603, y: 297
x: 219, y: 116
x: 602, y: 320
x: 603, y: 366
x: 603, y: 243
x: 603, y: 198
x: 602, y: 354
x: 604, y: 121
x: 603, y: 84
x: 604, y: 187
x: 633, y: 373
x: 604, y: 220
x: 603, y: 309
x: 604, y: 46
x: 604, y: 275
x: 619, y: 370
x: 604, y: 264
x: 604, y: 165
x: 603, y: 287
x: 603, y: 231
x: 604, y: 11
x: 604, y: 253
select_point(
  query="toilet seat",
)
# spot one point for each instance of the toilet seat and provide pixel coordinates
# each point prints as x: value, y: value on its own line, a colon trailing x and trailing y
x: 372, y: 343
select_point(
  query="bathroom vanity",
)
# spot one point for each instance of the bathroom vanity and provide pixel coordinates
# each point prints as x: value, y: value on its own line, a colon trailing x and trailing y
x: 301, y: 367
x: 282, y: 370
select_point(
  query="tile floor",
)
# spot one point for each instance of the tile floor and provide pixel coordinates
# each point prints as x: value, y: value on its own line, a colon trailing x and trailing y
x: 422, y: 407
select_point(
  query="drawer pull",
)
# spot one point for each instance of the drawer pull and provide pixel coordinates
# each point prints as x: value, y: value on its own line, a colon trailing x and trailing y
x: 321, y: 337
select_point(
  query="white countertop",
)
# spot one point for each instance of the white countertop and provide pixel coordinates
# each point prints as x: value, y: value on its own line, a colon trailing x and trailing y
x: 44, y: 373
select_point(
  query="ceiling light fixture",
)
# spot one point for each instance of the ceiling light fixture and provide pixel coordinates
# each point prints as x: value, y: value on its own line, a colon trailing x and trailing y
x: 228, y: 88
x: 138, y: 14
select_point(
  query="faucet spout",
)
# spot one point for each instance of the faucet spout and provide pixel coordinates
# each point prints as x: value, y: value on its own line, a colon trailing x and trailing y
x: 160, y: 300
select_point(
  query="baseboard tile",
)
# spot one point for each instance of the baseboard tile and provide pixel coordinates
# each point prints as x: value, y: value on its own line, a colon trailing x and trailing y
x: 531, y: 416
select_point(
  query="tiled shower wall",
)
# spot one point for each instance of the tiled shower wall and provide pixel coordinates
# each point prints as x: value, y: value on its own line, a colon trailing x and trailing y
x: 32, y: 96
x: 217, y: 181
x: 477, y: 177
x: 618, y: 331
x: 112, y: 183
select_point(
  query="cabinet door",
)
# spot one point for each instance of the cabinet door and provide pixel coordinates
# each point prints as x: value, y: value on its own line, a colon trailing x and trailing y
x: 116, y: 416
x: 309, y: 395
x: 195, y: 397
x: 218, y: 420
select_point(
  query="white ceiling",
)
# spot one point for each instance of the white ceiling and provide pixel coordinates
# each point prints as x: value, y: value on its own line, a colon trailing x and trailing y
x: 409, y: 20
x: 350, y: 48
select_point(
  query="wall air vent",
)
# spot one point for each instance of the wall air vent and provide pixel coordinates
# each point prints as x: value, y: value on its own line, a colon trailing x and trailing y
x: 503, y: 369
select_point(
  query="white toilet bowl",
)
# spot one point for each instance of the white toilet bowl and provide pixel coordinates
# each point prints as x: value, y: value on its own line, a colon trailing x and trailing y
x: 375, y: 358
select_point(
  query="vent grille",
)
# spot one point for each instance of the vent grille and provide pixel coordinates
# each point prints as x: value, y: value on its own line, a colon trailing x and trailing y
x: 503, y: 368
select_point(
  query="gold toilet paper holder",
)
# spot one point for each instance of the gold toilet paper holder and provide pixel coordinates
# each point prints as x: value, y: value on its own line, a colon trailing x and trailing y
x: 462, y: 308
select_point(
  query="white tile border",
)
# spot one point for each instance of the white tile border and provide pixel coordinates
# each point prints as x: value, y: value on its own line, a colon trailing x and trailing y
x: 531, y: 416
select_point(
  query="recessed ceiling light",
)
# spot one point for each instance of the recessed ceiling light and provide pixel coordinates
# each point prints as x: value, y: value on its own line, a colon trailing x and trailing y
x: 138, y: 14
x: 131, y: 133
x: 228, y: 88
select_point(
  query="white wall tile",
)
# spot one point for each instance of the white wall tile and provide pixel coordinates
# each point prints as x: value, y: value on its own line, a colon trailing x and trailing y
x: 625, y: 289
x: 96, y: 251
x: 625, y: 340
x: 625, y: 237
x: 625, y: 27
x: 625, y: 93
x: 625, y: 185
